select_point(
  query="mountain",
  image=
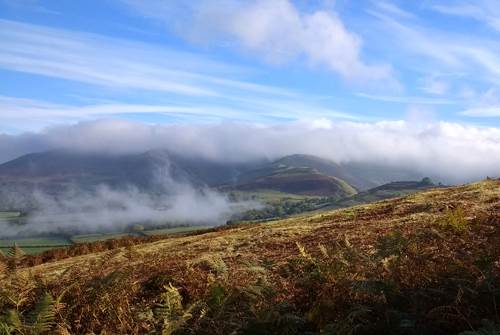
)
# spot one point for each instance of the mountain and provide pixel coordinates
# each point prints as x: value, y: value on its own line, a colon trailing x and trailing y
x: 54, y: 172
x: 422, y: 264
x: 142, y: 170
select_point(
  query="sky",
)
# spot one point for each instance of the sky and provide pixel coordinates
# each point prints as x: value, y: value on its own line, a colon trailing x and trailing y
x: 260, y: 61
x: 408, y: 83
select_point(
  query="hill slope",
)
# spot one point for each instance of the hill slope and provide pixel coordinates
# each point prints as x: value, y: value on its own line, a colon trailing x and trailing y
x: 58, y: 172
x: 317, y: 164
x: 300, y: 175
x: 428, y: 263
x: 302, y: 181
x: 55, y: 169
x: 386, y: 191
x: 140, y: 169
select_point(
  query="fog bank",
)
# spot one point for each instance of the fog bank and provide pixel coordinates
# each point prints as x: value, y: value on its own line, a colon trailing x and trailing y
x: 109, y: 210
x: 452, y: 152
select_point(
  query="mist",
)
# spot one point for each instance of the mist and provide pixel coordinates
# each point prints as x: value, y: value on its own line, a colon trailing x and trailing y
x: 103, y: 209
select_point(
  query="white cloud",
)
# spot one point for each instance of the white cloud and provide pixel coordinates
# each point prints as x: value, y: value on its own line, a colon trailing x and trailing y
x: 448, y: 151
x: 275, y: 30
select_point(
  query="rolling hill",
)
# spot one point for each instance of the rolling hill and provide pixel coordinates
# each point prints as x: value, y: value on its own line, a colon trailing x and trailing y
x: 314, y: 164
x: 427, y: 263
x: 295, y: 180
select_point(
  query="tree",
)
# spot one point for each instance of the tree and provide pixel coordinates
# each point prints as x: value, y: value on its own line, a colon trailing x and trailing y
x: 426, y: 181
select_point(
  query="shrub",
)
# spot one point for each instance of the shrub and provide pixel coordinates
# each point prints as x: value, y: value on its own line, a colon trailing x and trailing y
x: 455, y: 220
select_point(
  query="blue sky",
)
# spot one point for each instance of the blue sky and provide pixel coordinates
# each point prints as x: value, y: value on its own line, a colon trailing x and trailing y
x: 269, y: 62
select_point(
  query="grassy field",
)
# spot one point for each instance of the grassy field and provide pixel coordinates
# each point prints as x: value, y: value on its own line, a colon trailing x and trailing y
x: 35, y: 245
x: 9, y: 215
x: 88, y: 238
x: 428, y: 263
x: 174, y: 230
x: 269, y: 196
x: 32, y: 246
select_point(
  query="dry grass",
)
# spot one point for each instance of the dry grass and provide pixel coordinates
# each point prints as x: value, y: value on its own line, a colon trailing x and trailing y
x: 429, y: 262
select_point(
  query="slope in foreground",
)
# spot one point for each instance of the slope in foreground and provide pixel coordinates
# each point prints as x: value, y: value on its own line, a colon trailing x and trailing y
x: 428, y: 263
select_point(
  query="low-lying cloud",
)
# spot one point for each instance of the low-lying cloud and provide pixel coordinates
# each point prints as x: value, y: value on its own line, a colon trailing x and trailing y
x: 452, y: 152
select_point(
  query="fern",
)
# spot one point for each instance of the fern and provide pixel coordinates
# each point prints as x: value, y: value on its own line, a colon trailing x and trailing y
x: 42, y: 319
x: 392, y: 244
x: 16, y: 252
x: 3, y: 267
x: 10, y: 323
x: 14, y: 257
x: 171, y: 312
x: 17, y: 289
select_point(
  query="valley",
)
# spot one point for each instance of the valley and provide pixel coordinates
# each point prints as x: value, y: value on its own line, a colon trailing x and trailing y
x: 72, y: 192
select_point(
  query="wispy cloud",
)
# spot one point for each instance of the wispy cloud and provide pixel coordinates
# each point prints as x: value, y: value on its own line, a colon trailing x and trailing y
x: 392, y: 9
x: 29, y: 114
x: 115, y: 63
x: 28, y: 5
x: 484, y: 11
x: 488, y: 111
x: 458, y: 51
x: 408, y: 100
x: 448, y: 64
x: 435, y: 85
x: 484, y: 105
x: 201, y: 88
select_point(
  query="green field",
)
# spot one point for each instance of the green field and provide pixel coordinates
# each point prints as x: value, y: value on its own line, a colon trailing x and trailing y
x: 88, y: 238
x: 9, y: 215
x: 38, y: 245
x: 269, y: 196
x: 35, y: 245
